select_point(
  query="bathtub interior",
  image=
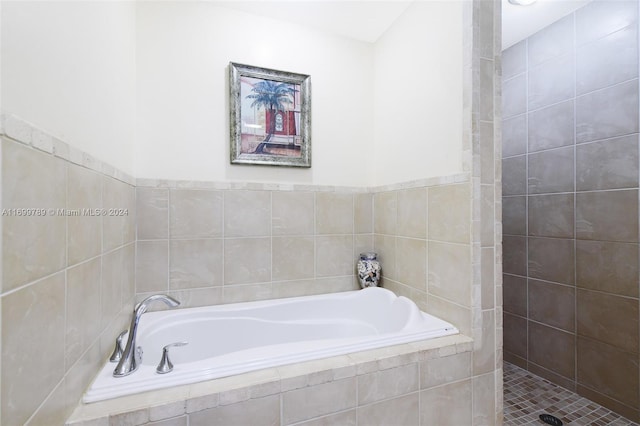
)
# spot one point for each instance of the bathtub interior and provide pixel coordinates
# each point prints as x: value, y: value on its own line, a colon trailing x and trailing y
x: 243, y: 326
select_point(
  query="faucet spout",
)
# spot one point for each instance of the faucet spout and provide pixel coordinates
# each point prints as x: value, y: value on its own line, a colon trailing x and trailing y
x: 132, y: 355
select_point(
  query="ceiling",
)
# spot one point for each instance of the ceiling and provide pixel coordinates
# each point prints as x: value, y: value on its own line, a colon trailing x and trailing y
x: 519, y: 22
x: 362, y: 20
x: 367, y: 20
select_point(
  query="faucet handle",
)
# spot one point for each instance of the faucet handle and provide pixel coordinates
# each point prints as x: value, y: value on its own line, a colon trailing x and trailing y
x: 166, y: 366
x: 118, y: 350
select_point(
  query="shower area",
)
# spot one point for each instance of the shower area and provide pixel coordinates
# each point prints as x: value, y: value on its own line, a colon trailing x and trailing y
x: 570, y: 204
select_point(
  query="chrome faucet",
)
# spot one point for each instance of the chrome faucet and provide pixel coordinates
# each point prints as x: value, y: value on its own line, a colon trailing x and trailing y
x: 132, y: 355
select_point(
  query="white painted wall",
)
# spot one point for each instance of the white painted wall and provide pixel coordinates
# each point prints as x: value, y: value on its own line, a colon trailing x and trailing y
x: 418, y: 94
x: 69, y: 68
x: 183, y: 115
x: 143, y: 86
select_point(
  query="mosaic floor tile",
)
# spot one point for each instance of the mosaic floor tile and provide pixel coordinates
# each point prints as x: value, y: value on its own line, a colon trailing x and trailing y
x: 526, y: 396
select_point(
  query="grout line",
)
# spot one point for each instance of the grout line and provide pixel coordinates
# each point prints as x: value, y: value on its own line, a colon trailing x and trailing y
x: 575, y: 202
x: 526, y: 148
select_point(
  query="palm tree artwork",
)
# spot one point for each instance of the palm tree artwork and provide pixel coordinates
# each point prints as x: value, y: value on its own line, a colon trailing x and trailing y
x: 272, y: 96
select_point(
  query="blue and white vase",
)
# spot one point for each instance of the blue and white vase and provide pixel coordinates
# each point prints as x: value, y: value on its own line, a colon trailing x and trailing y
x: 369, y: 270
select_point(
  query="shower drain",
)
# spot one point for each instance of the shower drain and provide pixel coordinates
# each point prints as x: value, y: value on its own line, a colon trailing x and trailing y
x: 550, y: 420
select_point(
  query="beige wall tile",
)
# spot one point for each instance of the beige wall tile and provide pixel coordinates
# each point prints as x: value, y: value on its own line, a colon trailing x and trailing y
x: 129, y: 274
x: 293, y: 213
x: 402, y: 411
x: 31, y: 179
x: 244, y: 413
x: 487, y: 154
x: 386, y: 384
x: 83, y: 316
x: 412, y: 213
x: 346, y: 418
x: 247, y: 213
x: 84, y: 371
x: 54, y: 410
x: 385, y: 246
x: 363, y: 213
x: 448, y: 405
x: 192, y: 298
x: 84, y: 233
x: 195, y: 213
x: 440, y: 371
x: 314, y: 401
x: 385, y: 212
x: 295, y: 288
x: 176, y: 421
x: 137, y: 417
x: 313, y: 286
x: 484, y: 400
x: 195, y: 263
x: 293, y: 258
x: 487, y: 224
x: 488, y: 278
x: 334, y: 255
x: 246, y: 292
x: 420, y: 298
x: 130, y: 220
x: 32, y: 325
x: 152, y: 212
x: 450, y: 271
x: 114, y: 224
x: 457, y: 315
x: 411, y: 262
x: 152, y: 266
x: 362, y: 243
x: 484, y: 345
x: 450, y: 213
x: 334, y: 213
x: 111, y: 288
x: 247, y: 260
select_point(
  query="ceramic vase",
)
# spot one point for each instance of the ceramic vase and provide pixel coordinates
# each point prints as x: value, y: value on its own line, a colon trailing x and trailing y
x: 368, y: 270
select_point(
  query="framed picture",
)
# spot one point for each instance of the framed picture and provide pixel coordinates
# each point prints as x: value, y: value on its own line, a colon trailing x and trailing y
x: 270, y: 116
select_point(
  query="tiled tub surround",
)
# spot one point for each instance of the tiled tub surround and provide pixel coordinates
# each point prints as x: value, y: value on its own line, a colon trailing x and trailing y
x: 423, y: 240
x: 570, y: 206
x: 67, y: 281
x: 246, y: 242
x: 224, y: 243
x: 420, y: 383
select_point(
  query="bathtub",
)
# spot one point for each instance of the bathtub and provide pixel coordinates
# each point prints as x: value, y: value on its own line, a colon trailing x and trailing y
x: 225, y: 340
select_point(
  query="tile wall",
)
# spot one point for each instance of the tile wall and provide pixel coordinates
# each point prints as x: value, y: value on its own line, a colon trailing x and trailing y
x: 67, y: 278
x: 423, y: 240
x: 421, y: 383
x: 570, y: 204
x: 236, y: 243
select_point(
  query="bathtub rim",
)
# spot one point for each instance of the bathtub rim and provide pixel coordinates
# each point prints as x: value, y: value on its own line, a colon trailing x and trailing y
x: 335, y: 347
x: 185, y: 399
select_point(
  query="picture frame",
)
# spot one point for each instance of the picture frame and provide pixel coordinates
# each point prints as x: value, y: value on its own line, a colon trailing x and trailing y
x: 270, y: 116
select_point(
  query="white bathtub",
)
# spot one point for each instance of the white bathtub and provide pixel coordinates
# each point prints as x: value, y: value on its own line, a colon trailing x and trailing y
x: 230, y: 339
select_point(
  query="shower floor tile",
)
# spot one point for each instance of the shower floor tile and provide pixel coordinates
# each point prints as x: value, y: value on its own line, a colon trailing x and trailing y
x: 526, y: 396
